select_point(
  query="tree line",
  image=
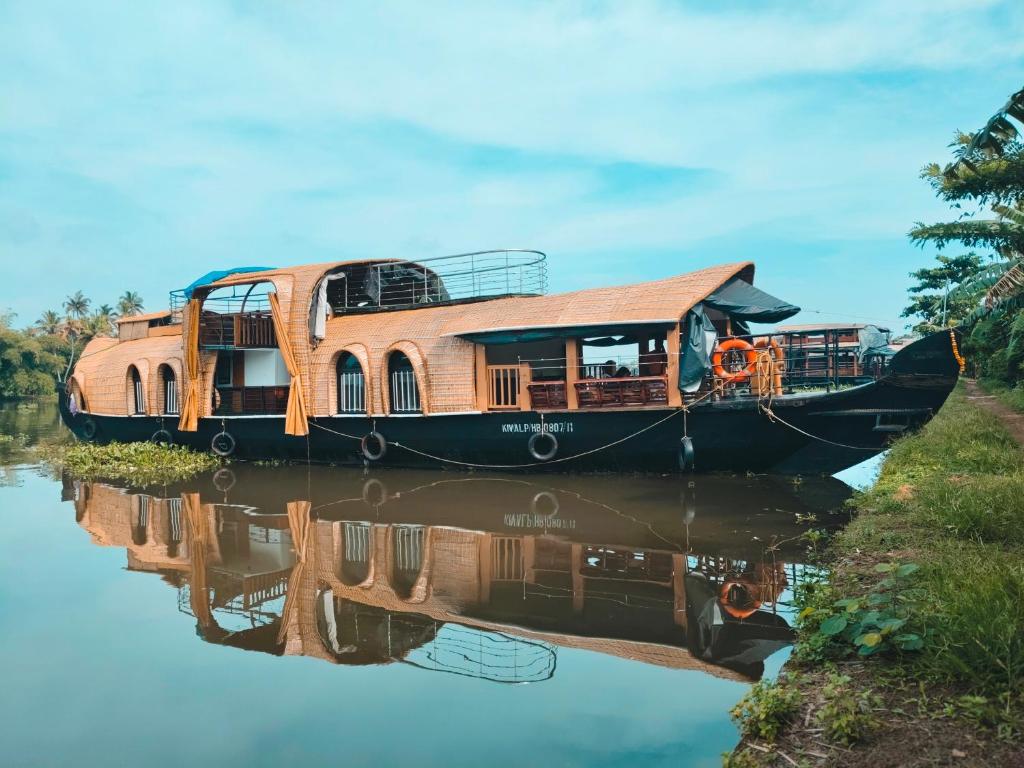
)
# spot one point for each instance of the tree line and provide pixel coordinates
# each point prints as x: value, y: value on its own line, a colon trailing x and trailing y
x: 34, y: 358
x: 981, y: 289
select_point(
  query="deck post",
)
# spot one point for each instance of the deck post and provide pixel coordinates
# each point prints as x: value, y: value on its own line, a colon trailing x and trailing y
x: 578, y: 585
x: 482, y: 385
x: 523, y: 397
x: 572, y: 373
x: 679, y: 589
x: 484, y: 559
x: 675, y: 397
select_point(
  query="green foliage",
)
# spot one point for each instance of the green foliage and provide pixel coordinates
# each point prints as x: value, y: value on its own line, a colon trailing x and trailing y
x: 742, y: 758
x: 882, y: 621
x: 28, y: 366
x: 847, y: 715
x: 766, y: 710
x: 986, y: 508
x: 950, y: 498
x: 987, y: 169
x: 142, y: 463
x: 929, y: 299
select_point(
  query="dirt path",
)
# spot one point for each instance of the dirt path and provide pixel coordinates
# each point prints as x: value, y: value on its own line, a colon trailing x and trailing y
x: 1012, y: 420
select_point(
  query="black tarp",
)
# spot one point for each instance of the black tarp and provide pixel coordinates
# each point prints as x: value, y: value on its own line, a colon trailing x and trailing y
x: 697, y: 344
x: 742, y: 301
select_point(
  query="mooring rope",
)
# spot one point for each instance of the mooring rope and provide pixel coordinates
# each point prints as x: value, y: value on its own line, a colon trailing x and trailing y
x: 684, y: 410
x: 764, y: 404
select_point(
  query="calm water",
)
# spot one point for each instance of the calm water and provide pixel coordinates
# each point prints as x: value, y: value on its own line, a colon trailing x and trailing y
x: 264, y: 616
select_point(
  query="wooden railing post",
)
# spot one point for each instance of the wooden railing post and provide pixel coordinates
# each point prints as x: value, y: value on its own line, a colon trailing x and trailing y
x: 572, y: 373
x: 672, y: 347
x: 482, y: 382
x: 524, y: 386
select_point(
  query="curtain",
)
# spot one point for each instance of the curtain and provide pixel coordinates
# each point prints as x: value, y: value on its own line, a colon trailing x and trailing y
x: 299, y: 526
x: 190, y: 340
x: 295, y: 420
x: 198, y: 590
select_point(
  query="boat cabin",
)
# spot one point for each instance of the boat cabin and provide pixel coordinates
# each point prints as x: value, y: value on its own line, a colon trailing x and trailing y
x: 470, y: 333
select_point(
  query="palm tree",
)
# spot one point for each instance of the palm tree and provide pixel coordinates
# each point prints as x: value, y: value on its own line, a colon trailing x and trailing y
x: 77, y: 305
x: 50, y: 323
x: 103, y: 320
x: 130, y: 303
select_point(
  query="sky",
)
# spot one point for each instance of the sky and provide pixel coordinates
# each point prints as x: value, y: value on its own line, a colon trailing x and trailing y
x: 143, y: 144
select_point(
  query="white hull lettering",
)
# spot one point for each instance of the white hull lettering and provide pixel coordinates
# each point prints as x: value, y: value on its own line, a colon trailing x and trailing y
x: 554, y: 427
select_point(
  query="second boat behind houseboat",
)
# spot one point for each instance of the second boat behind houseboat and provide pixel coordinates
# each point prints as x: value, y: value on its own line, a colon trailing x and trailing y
x: 462, y: 361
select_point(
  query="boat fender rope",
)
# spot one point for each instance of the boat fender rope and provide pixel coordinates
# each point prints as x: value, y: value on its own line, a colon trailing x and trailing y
x: 774, y: 417
x: 561, y: 459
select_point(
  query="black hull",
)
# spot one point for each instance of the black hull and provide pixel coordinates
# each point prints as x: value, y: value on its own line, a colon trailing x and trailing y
x: 814, y: 433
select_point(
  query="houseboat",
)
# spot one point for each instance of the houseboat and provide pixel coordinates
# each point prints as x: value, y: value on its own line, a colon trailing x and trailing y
x: 464, y: 361
x: 486, y: 576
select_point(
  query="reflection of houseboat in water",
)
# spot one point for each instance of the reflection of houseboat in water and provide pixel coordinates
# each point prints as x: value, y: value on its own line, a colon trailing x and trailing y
x: 462, y: 361
x: 356, y: 576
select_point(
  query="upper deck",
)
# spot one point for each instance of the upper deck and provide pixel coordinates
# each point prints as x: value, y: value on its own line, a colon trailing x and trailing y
x: 357, y: 287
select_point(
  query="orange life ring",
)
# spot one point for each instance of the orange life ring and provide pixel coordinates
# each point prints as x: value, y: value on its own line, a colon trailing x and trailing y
x: 742, y: 375
x: 734, y: 610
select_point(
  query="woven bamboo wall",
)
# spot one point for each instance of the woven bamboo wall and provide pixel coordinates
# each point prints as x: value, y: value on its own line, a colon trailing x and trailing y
x: 111, y: 515
x: 443, y: 362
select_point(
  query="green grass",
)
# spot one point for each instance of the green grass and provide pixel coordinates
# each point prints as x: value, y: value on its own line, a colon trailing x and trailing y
x: 140, y: 463
x: 950, y: 499
x: 1011, y: 396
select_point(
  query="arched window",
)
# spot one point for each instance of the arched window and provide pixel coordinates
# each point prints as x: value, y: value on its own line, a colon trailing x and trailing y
x: 351, y: 384
x: 136, y: 394
x: 140, y: 529
x: 355, y: 560
x: 168, y: 389
x: 407, y: 543
x: 405, y: 395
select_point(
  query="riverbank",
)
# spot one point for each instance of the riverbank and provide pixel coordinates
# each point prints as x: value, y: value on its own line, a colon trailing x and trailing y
x: 911, y: 653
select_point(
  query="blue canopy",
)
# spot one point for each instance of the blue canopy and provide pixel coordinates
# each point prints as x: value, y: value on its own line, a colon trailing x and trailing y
x: 217, y: 274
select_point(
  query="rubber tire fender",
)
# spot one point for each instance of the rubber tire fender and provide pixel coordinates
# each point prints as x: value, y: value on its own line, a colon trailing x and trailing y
x: 162, y: 437
x: 535, y: 438
x: 89, y: 429
x: 686, y: 454
x: 364, y: 446
x: 223, y: 444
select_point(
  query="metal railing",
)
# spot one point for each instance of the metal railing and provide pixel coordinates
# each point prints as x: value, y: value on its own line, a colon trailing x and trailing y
x: 506, y: 558
x: 486, y: 655
x: 461, y: 276
x: 170, y: 397
x: 440, y: 279
x: 405, y: 395
x: 351, y: 392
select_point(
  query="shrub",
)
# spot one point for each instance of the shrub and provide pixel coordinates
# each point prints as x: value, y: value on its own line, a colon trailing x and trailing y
x: 142, y: 463
x: 766, y: 710
x: 847, y: 716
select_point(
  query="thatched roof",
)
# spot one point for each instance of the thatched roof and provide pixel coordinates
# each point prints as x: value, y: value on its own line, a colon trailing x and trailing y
x: 657, y: 301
